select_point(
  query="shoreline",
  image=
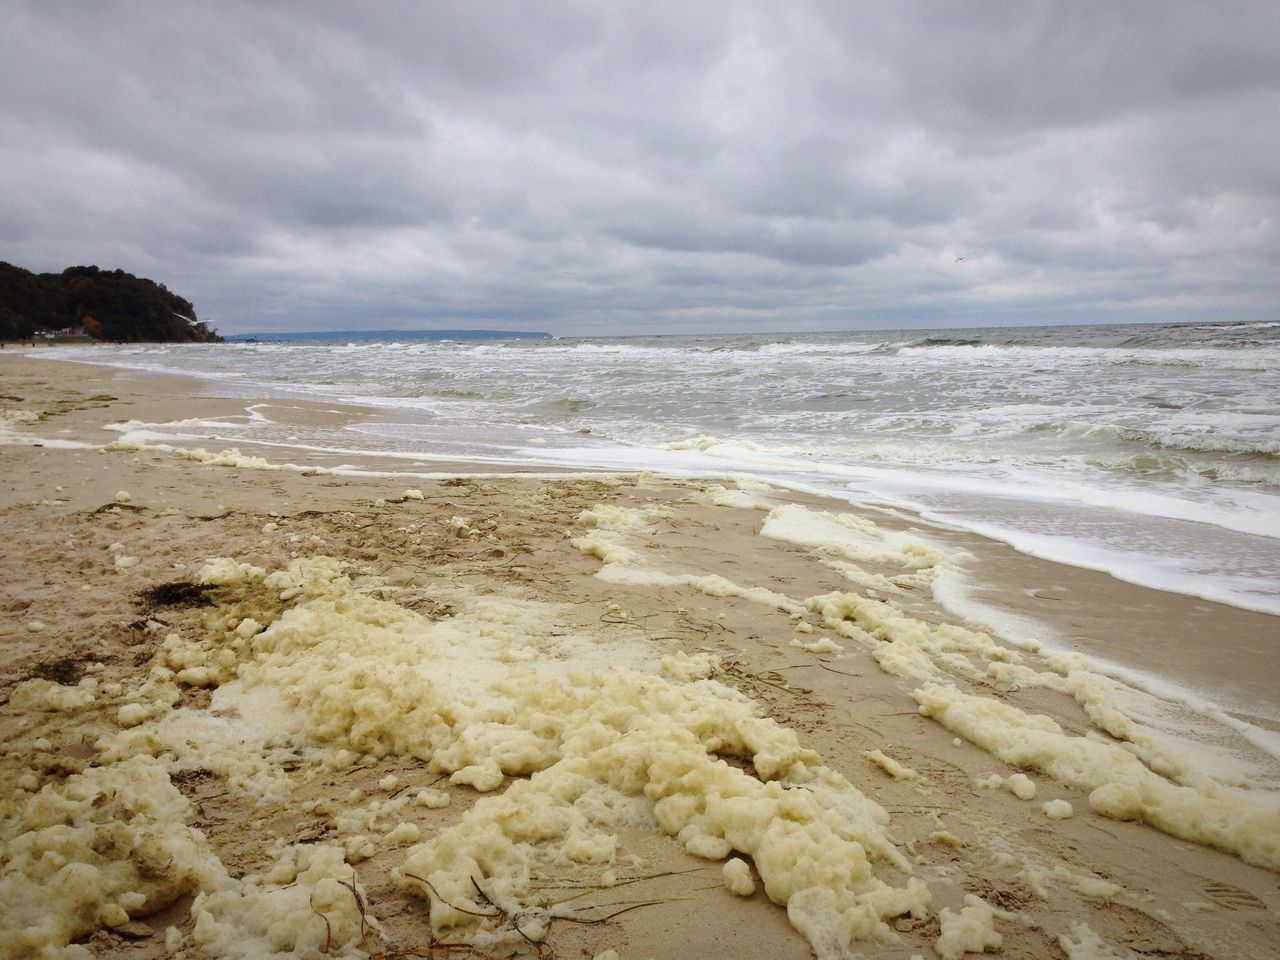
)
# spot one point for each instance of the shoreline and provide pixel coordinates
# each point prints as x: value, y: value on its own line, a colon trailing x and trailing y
x: 672, y: 568
x: 1060, y: 613
x: 1118, y: 539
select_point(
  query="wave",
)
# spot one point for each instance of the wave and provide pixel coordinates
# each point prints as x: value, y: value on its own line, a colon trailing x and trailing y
x: 1264, y: 360
x: 599, y: 349
x: 785, y: 348
x: 446, y: 394
x: 1169, y: 466
x: 1208, y: 438
x: 949, y: 342
x: 1265, y: 449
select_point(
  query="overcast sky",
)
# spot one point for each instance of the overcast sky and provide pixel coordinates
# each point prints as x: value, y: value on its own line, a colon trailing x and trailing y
x: 650, y: 167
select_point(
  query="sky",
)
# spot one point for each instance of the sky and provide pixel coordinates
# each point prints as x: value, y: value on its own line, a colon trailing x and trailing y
x: 652, y: 167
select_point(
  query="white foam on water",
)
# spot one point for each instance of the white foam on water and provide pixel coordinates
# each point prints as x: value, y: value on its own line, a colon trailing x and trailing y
x: 1216, y: 358
x: 1145, y: 569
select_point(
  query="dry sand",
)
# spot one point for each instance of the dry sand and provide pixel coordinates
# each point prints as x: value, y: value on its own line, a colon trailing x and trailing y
x: 92, y: 584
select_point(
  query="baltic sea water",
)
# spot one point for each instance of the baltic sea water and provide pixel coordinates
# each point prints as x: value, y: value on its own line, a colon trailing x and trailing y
x: 1150, y: 452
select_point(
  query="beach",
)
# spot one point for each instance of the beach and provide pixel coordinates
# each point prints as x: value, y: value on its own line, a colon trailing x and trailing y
x: 310, y: 702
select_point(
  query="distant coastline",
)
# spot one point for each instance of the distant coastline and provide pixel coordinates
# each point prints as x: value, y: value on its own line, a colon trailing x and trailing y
x: 331, y: 336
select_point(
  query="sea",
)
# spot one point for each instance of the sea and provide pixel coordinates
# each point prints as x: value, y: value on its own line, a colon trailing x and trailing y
x: 1149, y: 452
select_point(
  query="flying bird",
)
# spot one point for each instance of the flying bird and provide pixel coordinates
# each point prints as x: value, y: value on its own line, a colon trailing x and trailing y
x: 958, y: 259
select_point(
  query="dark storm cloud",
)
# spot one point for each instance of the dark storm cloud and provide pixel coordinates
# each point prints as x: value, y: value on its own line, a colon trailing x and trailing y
x: 658, y: 166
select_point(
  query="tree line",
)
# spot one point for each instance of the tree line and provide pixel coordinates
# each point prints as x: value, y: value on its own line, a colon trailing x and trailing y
x: 106, y: 305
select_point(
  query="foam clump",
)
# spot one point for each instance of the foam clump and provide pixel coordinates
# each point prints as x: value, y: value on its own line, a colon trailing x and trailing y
x: 970, y: 930
x: 1119, y: 784
x: 590, y: 751
x: 849, y: 537
x: 612, y: 527
x: 1086, y: 884
x: 737, y: 877
x: 308, y: 904
x: 131, y: 714
x: 610, y: 540
x: 224, y: 572
x: 11, y: 416
x: 40, y: 694
x: 224, y: 458
x: 1021, y: 786
x: 195, y: 740
x: 719, y: 495
x: 903, y: 645
x: 101, y: 847
x: 685, y: 667
x: 1083, y: 944
x: 821, y: 645
x: 898, y: 771
x: 135, y: 439
x: 701, y: 443
x: 126, y: 445
x: 431, y: 799
x: 1058, y: 810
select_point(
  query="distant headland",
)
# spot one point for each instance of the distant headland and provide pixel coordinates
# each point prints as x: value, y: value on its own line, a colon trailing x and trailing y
x: 344, y: 336
x: 90, y: 304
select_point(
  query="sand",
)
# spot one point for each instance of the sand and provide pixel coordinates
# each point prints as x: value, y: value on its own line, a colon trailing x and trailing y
x: 656, y: 658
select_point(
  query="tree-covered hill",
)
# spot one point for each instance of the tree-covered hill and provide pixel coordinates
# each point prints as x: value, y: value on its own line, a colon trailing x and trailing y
x: 106, y: 304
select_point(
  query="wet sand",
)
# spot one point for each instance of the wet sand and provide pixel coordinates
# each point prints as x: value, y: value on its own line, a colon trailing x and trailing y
x: 83, y: 599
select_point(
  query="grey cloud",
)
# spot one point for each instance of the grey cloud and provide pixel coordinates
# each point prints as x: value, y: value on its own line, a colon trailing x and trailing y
x: 649, y: 166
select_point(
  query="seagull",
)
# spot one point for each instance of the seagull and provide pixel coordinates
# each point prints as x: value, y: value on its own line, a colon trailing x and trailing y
x: 958, y: 259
